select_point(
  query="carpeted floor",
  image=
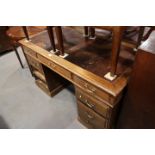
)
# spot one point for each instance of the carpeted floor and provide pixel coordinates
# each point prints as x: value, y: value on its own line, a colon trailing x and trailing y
x: 24, y: 106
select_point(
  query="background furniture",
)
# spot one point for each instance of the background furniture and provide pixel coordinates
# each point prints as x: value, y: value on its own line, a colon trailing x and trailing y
x: 17, y: 33
x: 116, y: 42
x: 138, y: 108
x: 6, y: 43
x: 151, y: 28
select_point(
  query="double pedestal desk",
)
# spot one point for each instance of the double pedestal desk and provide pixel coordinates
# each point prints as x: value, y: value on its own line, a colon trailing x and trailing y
x: 85, y: 66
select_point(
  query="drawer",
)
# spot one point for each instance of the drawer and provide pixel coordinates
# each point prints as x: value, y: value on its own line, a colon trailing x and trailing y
x: 30, y: 52
x: 43, y: 86
x: 60, y: 70
x: 94, y: 104
x: 92, y: 90
x: 39, y: 75
x: 44, y: 60
x: 90, y: 118
x: 35, y: 63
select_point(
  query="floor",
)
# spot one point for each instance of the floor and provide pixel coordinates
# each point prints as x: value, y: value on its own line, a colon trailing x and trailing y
x: 24, y: 106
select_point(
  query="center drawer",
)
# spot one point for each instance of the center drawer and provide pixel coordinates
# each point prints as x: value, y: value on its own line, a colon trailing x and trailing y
x: 90, y: 118
x: 60, y: 70
x: 94, y: 104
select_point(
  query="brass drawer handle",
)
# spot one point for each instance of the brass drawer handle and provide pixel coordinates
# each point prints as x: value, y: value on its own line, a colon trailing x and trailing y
x: 80, y: 96
x: 53, y: 65
x: 37, y: 64
x: 86, y: 85
x: 89, y: 104
x: 91, y: 90
x: 90, y: 116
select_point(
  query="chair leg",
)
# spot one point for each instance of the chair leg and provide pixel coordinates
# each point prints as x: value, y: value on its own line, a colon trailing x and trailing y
x: 86, y: 31
x: 51, y: 36
x: 148, y: 34
x: 117, y: 36
x: 30, y: 68
x: 60, y: 39
x: 18, y: 57
x: 140, y: 36
x: 26, y: 32
x: 92, y: 32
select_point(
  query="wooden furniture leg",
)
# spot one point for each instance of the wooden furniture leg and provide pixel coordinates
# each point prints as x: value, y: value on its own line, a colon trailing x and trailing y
x: 92, y: 32
x: 60, y: 39
x: 86, y: 31
x: 30, y: 68
x: 51, y: 36
x: 140, y: 36
x: 116, y: 43
x: 18, y: 56
x: 148, y: 33
x: 26, y: 32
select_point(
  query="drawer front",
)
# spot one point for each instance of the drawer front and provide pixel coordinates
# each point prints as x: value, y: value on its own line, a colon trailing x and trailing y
x: 43, y: 86
x: 39, y: 75
x: 34, y: 63
x: 89, y: 117
x: 94, y: 104
x: 30, y: 52
x: 60, y: 70
x: 92, y: 90
x: 44, y: 60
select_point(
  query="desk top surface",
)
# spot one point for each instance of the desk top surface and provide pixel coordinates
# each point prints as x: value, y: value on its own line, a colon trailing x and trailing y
x: 89, y: 59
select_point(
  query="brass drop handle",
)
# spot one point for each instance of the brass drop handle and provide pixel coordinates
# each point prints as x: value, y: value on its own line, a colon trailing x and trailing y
x: 89, y: 116
x: 80, y: 96
x: 49, y: 64
x: 53, y: 65
x: 89, y: 104
x: 86, y: 85
x: 91, y: 90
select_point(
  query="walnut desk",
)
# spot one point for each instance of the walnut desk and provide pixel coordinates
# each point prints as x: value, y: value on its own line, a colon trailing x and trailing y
x: 85, y: 67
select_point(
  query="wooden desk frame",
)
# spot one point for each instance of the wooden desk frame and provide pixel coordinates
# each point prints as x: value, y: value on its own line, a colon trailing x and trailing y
x: 113, y: 88
x: 105, y: 93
